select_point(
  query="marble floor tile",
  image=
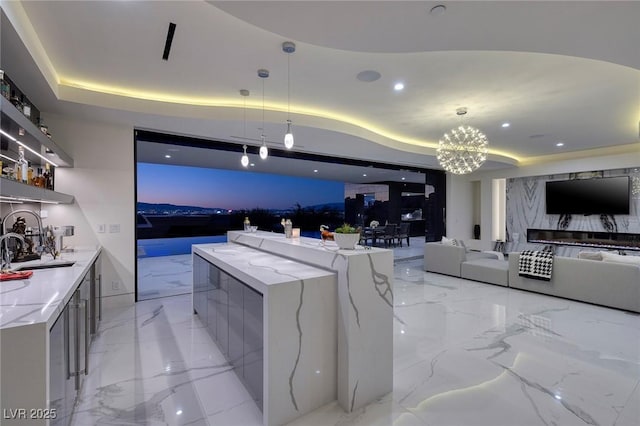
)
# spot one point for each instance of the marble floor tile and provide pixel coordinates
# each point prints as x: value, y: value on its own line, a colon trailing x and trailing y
x: 465, y: 354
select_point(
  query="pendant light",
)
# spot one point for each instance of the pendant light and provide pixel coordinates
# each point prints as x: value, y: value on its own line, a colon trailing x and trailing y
x: 288, y: 47
x: 264, y: 151
x: 245, y: 158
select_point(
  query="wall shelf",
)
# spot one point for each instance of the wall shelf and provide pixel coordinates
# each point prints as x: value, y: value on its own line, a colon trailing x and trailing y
x: 12, y: 190
x: 12, y: 120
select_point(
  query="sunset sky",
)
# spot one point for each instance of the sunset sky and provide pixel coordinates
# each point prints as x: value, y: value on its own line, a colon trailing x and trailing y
x: 230, y: 189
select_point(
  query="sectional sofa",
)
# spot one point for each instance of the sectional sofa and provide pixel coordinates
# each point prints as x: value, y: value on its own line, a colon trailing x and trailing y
x: 616, y: 285
x: 606, y: 283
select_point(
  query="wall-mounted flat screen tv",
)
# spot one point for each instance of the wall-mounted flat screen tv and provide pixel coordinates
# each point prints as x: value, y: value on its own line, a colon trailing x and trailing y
x: 589, y: 196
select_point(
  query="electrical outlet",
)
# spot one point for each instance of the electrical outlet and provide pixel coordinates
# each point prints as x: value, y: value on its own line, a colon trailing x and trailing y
x: 101, y: 228
x: 115, y: 285
x: 114, y: 228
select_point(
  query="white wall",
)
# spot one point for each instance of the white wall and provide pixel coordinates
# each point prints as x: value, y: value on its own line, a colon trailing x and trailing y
x: 459, y: 200
x: 102, y: 181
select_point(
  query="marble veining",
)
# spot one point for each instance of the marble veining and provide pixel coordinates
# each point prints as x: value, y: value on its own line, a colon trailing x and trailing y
x: 568, y: 363
x: 295, y: 365
x: 575, y: 410
x: 382, y: 284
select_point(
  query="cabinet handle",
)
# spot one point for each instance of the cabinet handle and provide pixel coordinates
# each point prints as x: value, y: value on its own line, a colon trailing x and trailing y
x: 99, y: 298
x: 67, y: 358
x: 76, y: 346
x: 86, y: 336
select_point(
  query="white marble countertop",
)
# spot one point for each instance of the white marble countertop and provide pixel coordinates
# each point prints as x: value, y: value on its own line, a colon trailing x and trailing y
x: 256, y: 268
x: 322, y: 254
x: 302, y: 242
x: 41, y: 298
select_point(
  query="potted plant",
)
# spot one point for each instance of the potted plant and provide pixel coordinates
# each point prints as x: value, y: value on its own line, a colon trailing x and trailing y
x: 346, y: 236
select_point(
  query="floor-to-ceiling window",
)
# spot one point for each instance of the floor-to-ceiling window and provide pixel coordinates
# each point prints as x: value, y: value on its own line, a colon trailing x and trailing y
x: 192, y: 191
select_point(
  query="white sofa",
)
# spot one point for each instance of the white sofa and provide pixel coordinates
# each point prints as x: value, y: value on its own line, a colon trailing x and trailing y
x: 616, y: 285
x: 447, y: 259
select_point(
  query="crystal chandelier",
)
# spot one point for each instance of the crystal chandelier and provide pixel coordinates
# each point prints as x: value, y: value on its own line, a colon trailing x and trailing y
x: 462, y: 150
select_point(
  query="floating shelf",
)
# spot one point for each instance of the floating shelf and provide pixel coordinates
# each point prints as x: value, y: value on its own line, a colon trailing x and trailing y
x: 12, y: 190
x: 12, y: 120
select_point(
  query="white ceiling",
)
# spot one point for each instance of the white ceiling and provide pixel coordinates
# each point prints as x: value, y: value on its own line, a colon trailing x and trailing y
x: 557, y: 71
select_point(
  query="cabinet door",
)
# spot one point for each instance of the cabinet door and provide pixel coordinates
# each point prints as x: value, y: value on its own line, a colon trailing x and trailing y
x: 83, y: 338
x: 213, y: 286
x: 236, y: 345
x: 58, y: 371
x: 199, y: 289
x: 253, y: 345
x: 222, y: 314
x: 71, y: 355
x: 95, y: 298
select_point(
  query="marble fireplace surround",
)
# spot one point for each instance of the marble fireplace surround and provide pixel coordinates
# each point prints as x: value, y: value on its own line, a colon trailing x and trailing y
x: 526, y: 209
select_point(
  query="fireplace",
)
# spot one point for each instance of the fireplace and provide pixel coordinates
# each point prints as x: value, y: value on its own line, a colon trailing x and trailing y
x: 607, y: 240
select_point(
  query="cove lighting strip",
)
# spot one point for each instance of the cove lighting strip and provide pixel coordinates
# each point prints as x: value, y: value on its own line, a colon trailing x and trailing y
x: 8, y: 158
x: 26, y: 147
x: 24, y: 200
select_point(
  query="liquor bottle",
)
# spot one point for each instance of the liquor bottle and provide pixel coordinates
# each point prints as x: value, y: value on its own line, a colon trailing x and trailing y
x: 26, y: 107
x: 247, y: 224
x: 5, y: 89
x: 48, y: 182
x: 29, y: 174
x: 15, y: 100
x: 23, y: 166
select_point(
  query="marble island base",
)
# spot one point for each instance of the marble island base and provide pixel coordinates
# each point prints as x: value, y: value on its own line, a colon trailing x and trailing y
x: 365, y: 309
x: 275, y: 320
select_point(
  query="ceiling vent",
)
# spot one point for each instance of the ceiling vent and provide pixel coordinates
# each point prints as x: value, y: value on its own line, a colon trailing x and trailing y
x: 167, y: 43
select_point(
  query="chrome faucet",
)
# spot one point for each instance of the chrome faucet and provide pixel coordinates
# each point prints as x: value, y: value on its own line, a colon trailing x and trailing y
x: 4, y: 247
x: 39, y: 248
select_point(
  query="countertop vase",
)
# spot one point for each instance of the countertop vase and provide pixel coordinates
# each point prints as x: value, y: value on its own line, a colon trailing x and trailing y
x: 346, y: 241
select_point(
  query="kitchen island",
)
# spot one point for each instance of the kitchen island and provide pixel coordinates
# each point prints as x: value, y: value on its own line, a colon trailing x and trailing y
x: 275, y: 320
x: 29, y: 309
x: 365, y: 309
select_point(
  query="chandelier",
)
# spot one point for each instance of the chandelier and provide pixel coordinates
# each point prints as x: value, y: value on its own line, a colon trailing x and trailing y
x: 462, y: 150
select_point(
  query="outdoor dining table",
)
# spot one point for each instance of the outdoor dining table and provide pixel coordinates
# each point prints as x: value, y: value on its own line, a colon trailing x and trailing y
x: 372, y: 234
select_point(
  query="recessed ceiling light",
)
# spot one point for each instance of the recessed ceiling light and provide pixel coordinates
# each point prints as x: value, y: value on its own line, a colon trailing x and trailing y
x: 403, y: 178
x: 398, y: 87
x: 364, y: 174
x: 315, y: 170
x: 167, y: 156
x: 179, y: 412
x: 560, y: 144
x: 252, y: 164
x: 506, y: 124
x: 368, y: 76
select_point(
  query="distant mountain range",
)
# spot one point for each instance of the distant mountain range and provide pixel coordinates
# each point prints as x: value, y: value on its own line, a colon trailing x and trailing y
x: 164, y: 208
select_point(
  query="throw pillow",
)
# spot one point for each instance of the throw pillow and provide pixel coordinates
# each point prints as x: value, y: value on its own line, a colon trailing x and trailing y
x: 590, y: 255
x: 617, y: 258
x: 449, y: 241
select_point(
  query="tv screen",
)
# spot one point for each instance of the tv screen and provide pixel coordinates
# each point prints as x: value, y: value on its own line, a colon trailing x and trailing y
x: 589, y: 196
